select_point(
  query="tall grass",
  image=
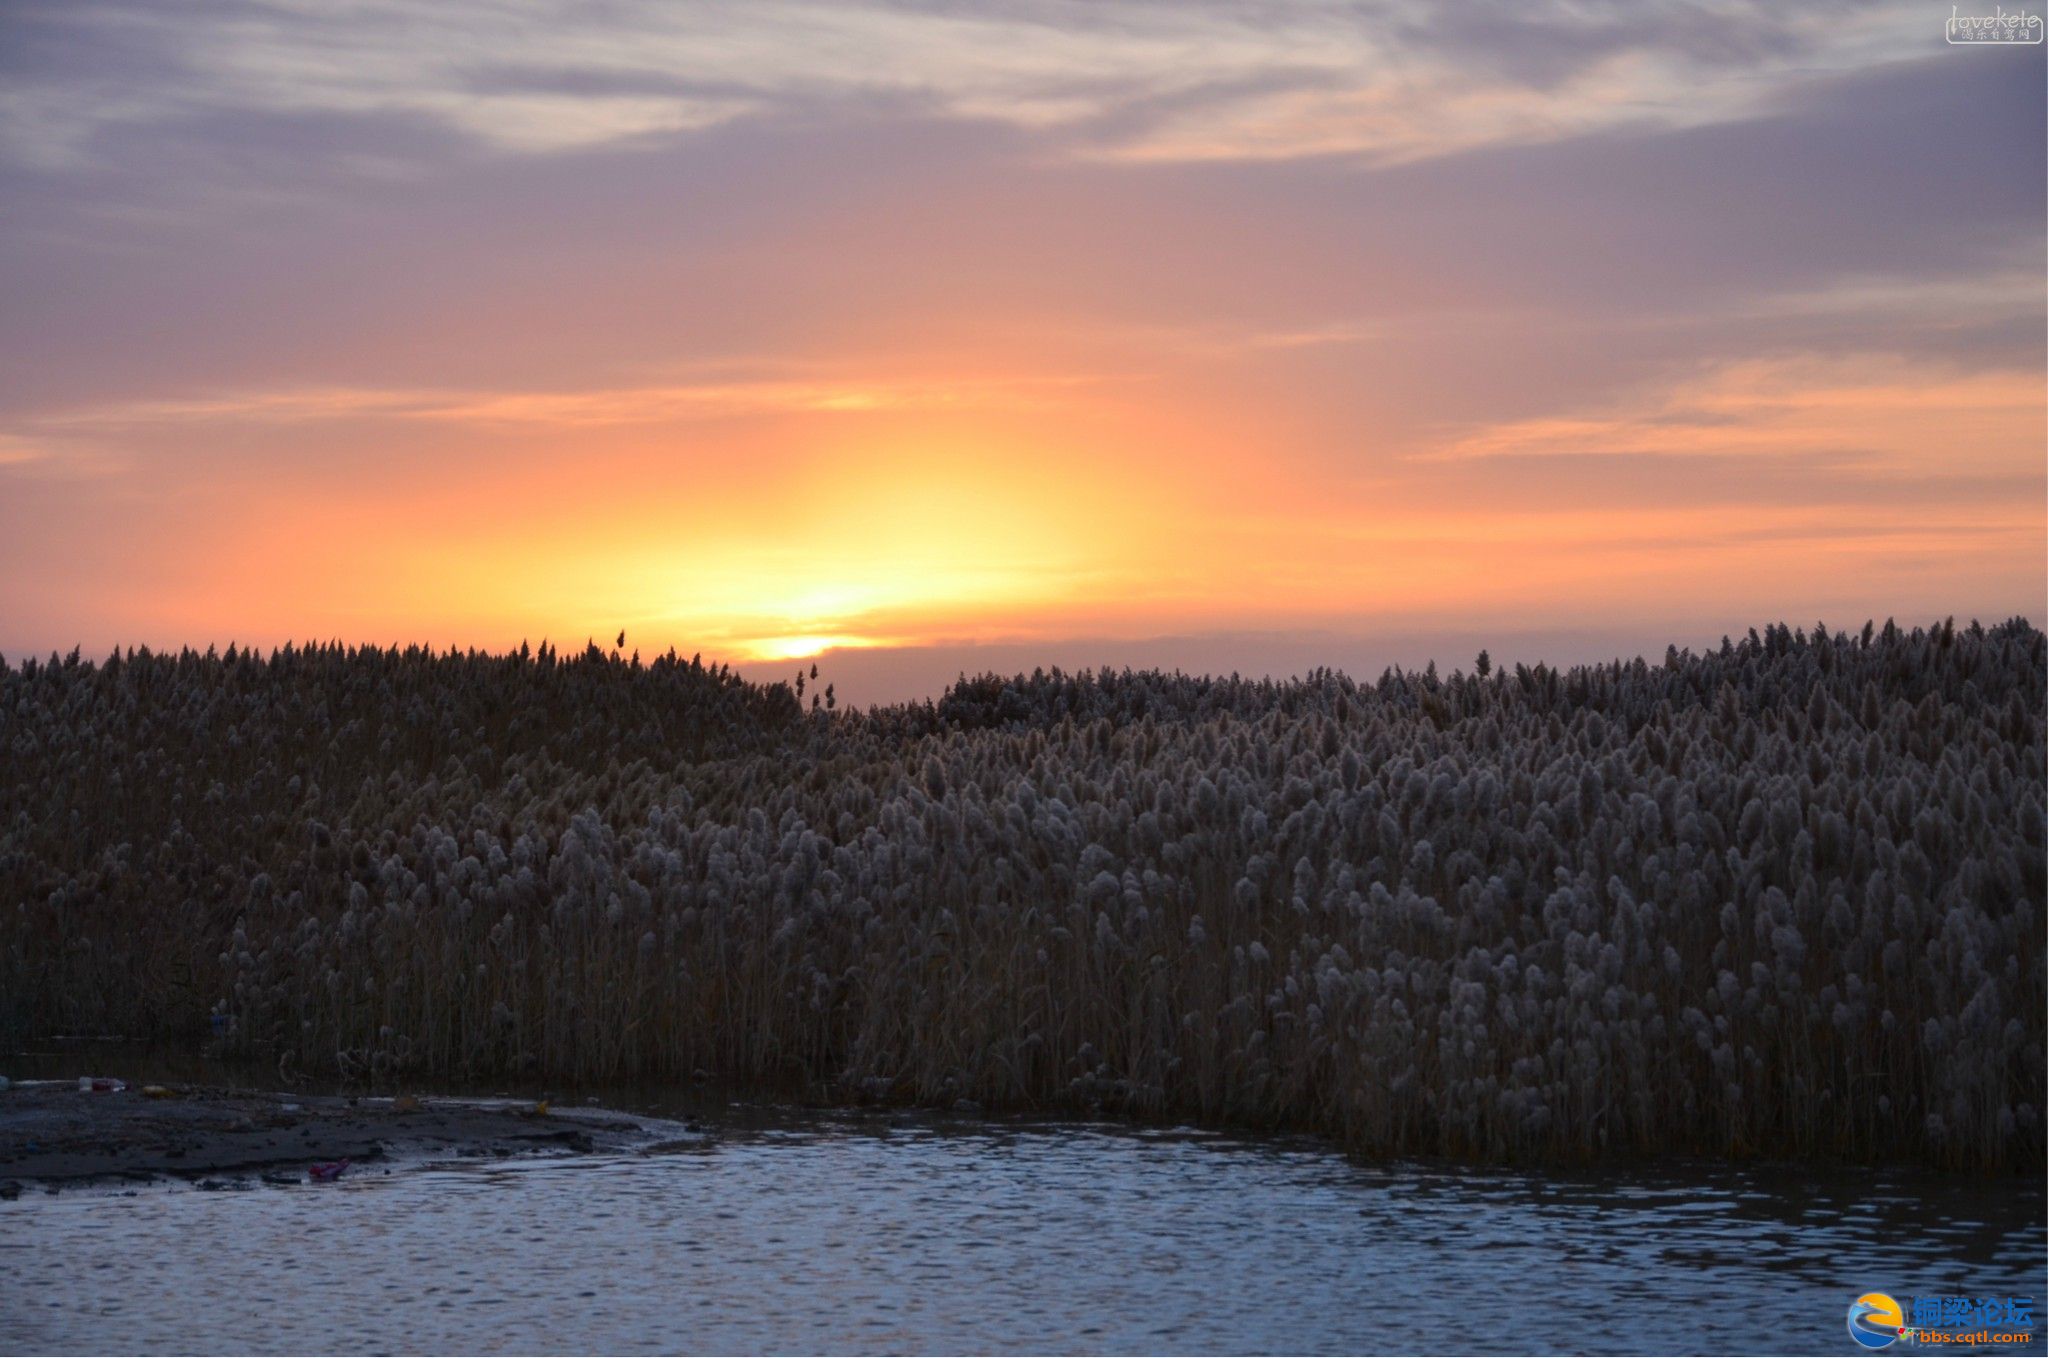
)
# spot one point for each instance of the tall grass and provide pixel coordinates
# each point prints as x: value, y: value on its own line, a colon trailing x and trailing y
x: 1782, y: 898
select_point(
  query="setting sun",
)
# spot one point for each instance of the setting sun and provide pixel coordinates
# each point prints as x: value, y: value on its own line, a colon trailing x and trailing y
x: 802, y: 647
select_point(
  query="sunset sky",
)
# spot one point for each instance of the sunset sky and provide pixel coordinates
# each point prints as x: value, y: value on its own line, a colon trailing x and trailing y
x: 1227, y: 336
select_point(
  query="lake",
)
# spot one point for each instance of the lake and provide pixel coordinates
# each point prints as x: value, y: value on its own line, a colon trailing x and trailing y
x: 790, y: 1231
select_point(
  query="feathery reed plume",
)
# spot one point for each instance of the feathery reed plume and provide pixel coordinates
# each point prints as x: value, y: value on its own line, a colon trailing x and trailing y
x: 1784, y: 897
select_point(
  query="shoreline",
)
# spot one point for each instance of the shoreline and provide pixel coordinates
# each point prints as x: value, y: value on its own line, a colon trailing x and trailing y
x: 213, y: 1127
x: 54, y: 1135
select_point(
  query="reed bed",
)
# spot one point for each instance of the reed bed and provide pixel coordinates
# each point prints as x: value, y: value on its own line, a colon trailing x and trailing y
x: 1783, y: 898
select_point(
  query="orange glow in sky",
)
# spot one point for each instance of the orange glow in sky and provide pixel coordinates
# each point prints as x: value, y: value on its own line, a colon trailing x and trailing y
x: 1021, y: 334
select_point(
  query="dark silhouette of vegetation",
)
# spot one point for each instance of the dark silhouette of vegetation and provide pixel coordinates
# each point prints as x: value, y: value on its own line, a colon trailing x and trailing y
x: 1784, y: 897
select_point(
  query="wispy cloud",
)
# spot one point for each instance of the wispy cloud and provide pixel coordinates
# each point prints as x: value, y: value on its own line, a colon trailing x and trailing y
x: 1147, y: 82
x: 1882, y: 408
x: 1310, y: 337
x: 573, y: 409
x: 16, y: 452
x: 52, y: 458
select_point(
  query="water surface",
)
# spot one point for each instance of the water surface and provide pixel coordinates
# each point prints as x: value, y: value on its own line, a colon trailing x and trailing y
x: 855, y: 1235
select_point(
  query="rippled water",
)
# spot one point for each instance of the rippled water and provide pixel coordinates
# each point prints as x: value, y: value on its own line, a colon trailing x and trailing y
x: 856, y: 1236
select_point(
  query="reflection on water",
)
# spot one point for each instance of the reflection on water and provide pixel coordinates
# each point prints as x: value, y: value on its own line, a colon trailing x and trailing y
x: 856, y: 1236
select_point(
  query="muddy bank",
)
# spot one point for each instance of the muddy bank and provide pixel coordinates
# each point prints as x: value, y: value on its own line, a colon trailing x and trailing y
x: 52, y: 1133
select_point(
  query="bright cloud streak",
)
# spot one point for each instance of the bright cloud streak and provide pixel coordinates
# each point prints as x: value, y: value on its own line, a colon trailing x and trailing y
x: 569, y: 409
x: 1880, y: 409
